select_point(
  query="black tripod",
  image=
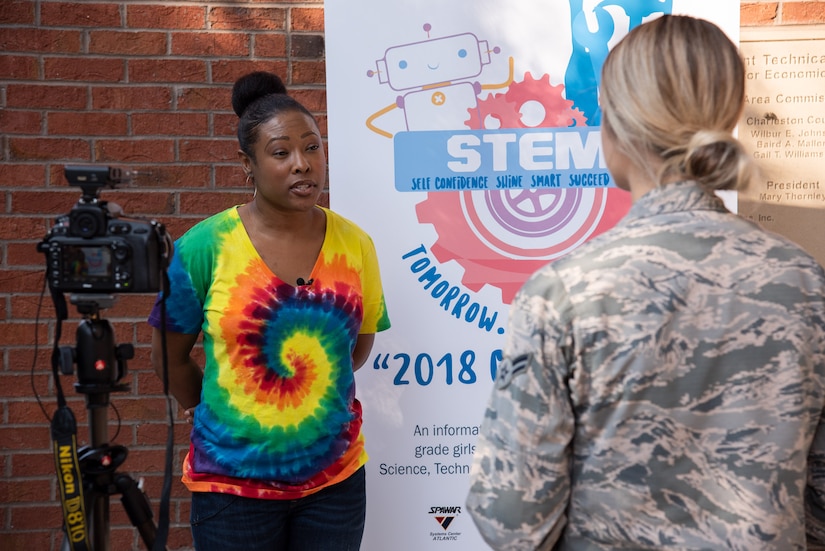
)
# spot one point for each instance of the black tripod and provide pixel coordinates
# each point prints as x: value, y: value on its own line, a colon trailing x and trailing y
x: 100, y: 366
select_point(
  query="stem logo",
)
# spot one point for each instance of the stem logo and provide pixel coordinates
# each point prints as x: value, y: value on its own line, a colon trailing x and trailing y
x: 500, y: 237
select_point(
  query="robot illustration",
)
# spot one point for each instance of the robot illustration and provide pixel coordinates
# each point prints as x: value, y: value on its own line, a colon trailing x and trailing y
x: 434, y: 78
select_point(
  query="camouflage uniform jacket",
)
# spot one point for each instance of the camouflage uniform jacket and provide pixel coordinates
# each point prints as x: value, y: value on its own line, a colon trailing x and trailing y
x: 662, y: 387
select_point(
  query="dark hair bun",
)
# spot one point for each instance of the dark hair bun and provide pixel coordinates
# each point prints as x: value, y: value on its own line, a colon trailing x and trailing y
x: 252, y: 86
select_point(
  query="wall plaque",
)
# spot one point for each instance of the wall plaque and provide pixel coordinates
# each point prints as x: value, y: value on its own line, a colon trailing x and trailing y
x: 783, y: 127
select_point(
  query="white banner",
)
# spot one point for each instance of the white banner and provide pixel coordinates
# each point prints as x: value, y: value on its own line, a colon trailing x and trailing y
x: 464, y: 138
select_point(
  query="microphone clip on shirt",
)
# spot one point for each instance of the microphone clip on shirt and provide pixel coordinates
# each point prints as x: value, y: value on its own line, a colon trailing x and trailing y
x: 302, y: 282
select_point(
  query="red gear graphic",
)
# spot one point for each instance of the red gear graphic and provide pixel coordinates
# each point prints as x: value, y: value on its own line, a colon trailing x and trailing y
x: 482, y: 265
x: 506, y: 107
x: 456, y: 241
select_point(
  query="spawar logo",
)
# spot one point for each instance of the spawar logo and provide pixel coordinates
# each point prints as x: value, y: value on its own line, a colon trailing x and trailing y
x: 444, y: 516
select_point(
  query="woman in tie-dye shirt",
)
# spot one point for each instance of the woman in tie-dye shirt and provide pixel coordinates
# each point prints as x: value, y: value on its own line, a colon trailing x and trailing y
x: 288, y: 297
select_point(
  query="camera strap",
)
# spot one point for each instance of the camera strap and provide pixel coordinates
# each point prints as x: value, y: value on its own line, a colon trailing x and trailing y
x: 163, y: 510
x: 69, y: 478
x: 64, y: 440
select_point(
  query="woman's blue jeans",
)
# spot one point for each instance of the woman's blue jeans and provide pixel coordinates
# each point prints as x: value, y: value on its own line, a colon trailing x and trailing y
x: 329, y: 520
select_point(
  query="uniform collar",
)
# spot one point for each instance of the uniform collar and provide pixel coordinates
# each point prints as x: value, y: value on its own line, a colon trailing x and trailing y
x: 681, y: 196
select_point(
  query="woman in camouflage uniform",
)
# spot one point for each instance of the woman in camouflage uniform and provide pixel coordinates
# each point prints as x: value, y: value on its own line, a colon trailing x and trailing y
x: 663, y: 385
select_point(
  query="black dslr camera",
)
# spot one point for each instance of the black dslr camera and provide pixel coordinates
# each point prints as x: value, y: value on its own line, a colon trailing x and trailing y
x: 92, y: 250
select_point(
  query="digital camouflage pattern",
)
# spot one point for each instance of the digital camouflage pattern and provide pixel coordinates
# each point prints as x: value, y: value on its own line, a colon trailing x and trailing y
x: 662, y: 388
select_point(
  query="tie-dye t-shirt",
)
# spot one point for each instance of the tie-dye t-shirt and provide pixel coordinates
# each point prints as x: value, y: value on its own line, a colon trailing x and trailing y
x: 278, y: 418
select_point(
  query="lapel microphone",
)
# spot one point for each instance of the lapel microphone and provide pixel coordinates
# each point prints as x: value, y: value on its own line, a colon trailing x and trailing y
x: 301, y: 282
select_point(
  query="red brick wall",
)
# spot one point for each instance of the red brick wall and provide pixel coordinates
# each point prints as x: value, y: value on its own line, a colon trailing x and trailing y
x: 146, y: 86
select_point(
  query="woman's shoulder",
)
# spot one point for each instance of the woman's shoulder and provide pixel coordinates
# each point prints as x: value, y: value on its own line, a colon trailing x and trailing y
x: 343, y: 226
x: 208, y: 232
x: 220, y: 223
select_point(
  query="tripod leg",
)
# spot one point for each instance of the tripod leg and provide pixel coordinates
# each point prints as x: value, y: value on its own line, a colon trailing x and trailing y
x: 100, y: 517
x: 137, y: 507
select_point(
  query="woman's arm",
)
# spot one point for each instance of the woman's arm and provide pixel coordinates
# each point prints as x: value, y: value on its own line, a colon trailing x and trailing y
x: 185, y: 375
x: 363, y: 347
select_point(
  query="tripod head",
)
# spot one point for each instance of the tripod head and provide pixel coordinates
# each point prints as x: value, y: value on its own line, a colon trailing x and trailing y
x: 101, y: 364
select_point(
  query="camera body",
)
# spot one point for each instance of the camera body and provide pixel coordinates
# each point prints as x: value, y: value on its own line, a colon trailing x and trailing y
x: 89, y: 250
